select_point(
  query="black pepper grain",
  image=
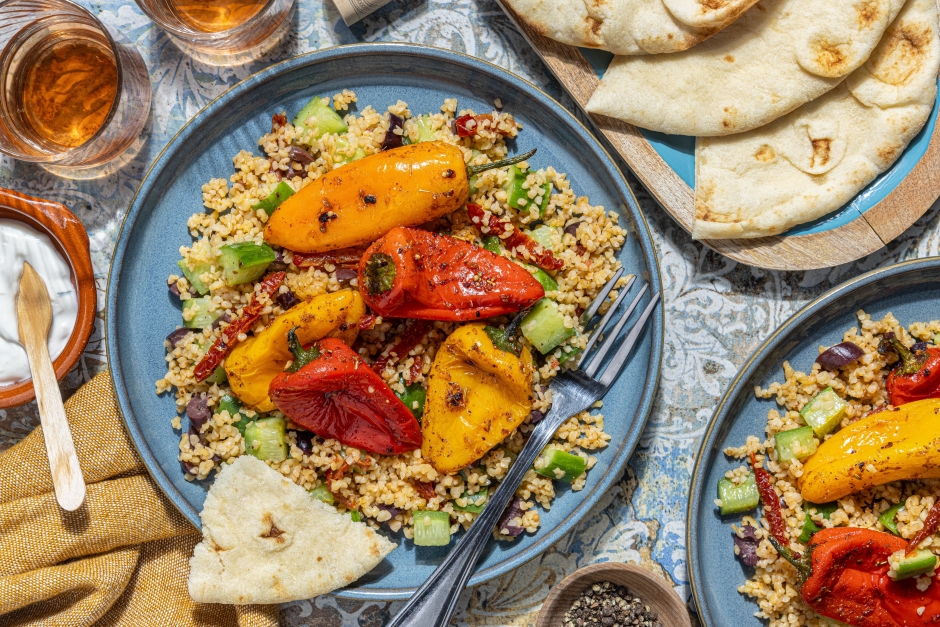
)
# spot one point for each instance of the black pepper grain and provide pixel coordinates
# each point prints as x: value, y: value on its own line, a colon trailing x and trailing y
x: 605, y: 604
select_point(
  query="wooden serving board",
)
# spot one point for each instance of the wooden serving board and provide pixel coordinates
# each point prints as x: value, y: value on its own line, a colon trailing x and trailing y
x: 865, y: 234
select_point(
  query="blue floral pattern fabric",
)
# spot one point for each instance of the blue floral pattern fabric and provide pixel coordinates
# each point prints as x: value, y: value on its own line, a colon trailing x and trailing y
x: 717, y: 311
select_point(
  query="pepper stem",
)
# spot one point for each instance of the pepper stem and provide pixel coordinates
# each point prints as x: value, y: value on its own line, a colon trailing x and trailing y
x: 911, y: 361
x: 476, y: 169
x: 801, y: 565
x: 380, y: 273
x: 302, y: 356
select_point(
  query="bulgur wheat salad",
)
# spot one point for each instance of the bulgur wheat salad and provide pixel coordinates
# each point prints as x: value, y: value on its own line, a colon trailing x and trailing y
x: 375, y: 306
x: 847, y: 477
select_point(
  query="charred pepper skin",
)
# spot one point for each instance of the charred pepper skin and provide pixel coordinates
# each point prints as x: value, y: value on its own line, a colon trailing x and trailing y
x: 412, y: 273
x: 849, y: 581
x: 337, y: 395
x: 917, y: 375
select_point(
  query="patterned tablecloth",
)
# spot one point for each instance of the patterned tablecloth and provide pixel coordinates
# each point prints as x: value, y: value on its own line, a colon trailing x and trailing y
x: 717, y: 311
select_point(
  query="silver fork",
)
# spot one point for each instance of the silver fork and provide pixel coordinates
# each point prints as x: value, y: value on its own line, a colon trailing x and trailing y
x: 573, y: 391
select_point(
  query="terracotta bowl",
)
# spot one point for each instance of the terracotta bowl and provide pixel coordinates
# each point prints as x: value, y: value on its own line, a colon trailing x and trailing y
x: 652, y: 589
x: 71, y: 240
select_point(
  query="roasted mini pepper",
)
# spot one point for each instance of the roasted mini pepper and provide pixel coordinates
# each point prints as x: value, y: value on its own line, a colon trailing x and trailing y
x: 329, y: 390
x: 411, y: 273
x: 254, y: 363
x: 844, y: 576
x: 358, y: 203
x: 917, y: 375
x: 880, y: 448
x: 478, y: 394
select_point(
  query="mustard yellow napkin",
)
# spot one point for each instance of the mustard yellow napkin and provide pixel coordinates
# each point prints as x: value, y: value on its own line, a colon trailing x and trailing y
x: 122, y: 559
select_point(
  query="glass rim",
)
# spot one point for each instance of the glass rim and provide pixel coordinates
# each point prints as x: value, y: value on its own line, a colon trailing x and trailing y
x: 112, y: 44
x: 199, y: 37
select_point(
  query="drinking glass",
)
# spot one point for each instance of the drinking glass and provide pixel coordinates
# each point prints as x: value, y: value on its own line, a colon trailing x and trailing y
x: 219, y: 27
x: 73, y: 91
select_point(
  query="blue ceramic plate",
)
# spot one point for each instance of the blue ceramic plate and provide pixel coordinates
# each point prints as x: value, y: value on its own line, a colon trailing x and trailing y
x: 678, y: 151
x: 141, y: 313
x: 910, y: 290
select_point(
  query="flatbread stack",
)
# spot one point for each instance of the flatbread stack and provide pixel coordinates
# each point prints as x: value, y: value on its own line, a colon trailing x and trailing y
x: 265, y: 540
x: 816, y: 159
x: 797, y: 105
x: 630, y: 26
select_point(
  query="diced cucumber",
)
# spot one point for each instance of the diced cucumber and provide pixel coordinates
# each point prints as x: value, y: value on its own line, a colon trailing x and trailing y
x: 824, y: 412
x: 355, y: 515
x: 196, y: 314
x: 546, y: 197
x: 936, y: 338
x: 492, y: 244
x: 193, y: 275
x: 341, y: 154
x: 825, y: 510
x: 473, y: 183
x: 544, y: 326
x: 272, y: 201
x: 795, y: 444
x: 552, y: 459
x: 567, y: 352
x: 328, y: 121
x: 270, y: 434
x: 413, y: 397
x: 233, y: 406
x: 218, y: 376
x: 431, y: 528
x: 321, y: 493
x: 920, y: 563
x: 425, y: 129
x: 738, y: 498
x: 548, y: 282
x: 888, y: 519
x: 475, y: 502
x: 543, y: 234
x: 245, y: 261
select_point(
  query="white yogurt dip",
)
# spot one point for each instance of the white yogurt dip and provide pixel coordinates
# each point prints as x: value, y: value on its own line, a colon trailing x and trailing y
x: 20, y: 243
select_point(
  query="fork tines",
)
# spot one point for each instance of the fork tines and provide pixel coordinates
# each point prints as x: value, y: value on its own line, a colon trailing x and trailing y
x: 591, y: 363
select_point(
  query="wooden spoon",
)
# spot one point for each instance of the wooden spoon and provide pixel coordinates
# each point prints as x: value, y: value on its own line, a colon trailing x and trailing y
x: 34, y: 317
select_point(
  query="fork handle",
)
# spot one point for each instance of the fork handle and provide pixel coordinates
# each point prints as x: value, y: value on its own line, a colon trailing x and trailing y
x: 434, y: 602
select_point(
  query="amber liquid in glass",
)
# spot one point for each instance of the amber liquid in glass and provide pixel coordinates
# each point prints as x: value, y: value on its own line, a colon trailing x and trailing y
x: 68, y: 90
x: 213, y: 16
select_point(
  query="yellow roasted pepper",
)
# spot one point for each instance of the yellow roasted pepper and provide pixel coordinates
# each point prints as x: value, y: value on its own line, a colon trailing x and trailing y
x: 477, y: 396
x: 253, y: 364
x: 884, y: 447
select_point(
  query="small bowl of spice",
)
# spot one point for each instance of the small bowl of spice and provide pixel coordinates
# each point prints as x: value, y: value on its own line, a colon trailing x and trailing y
x: 55, y: 243
x: 613, y: 595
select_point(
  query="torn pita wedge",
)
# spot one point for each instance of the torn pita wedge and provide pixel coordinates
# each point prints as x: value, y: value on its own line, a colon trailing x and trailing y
x: 779, y: 55
x: 266, y: 540
x: 629, y: 26
x: 816, y: 159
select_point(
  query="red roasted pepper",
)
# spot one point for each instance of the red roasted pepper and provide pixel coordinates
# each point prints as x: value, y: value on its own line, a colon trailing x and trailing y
x: 768, y: 496
x: 514, y: 238
x: 845, y: 576
x: 411, y: 273
x: 332, y: 392
x: 229, y: 337
x: 917, y: 375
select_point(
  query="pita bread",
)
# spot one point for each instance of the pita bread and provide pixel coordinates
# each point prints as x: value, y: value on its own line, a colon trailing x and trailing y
x: 776, y: 57
x: 630, y: 26
x: 816, y: 159
x: 265, y: 540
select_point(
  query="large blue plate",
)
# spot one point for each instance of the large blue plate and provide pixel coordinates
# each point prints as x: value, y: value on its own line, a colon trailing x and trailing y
x: 140, y: 313
x: 909, y: 290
